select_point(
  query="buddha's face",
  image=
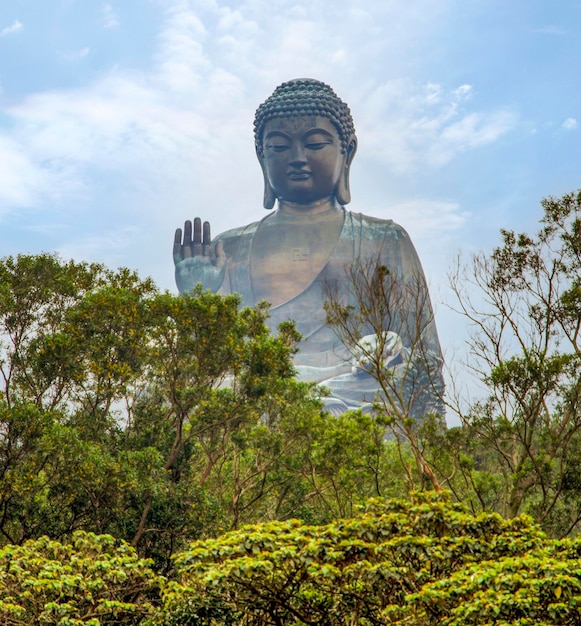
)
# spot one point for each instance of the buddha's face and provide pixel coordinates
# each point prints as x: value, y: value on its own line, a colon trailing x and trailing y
x: 302, y: 158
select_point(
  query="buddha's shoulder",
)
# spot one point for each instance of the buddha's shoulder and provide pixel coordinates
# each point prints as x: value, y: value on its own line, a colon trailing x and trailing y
x: 378, y: 226
x: 236, y: 239
x: 235, y: 234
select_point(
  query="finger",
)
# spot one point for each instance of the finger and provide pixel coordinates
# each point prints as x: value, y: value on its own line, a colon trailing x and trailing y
x: 177, y: 246
x: 197, y: 245
x: 187, y: 245
x: 207, y: 240
x: 220, y: 255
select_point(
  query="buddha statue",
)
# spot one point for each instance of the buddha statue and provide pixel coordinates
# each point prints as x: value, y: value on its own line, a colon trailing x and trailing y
x: 305, y: 143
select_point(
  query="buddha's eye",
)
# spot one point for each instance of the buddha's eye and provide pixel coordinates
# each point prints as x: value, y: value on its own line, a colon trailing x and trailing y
x: 277, y: 147
x: 317, y: 140
x: 317, y: 145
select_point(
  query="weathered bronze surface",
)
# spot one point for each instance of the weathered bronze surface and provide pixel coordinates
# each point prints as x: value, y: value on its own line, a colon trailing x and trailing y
x: 305, y: 143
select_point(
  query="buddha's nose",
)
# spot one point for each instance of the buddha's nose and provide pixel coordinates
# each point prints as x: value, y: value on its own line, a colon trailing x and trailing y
x: 297, y: 154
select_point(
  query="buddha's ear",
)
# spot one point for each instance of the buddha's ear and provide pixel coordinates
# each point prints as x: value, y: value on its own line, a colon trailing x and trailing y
x: 269, y: 195
x: 343, y: 192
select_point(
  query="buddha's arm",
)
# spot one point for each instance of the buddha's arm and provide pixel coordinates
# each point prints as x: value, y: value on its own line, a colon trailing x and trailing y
x: 424, y: 382
x: 309, y: 373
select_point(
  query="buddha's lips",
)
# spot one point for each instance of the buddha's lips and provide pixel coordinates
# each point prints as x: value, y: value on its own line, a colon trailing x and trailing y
x: 299, y: 174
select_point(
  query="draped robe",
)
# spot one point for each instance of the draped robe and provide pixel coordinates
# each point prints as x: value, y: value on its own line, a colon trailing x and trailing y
x: 363, y: 241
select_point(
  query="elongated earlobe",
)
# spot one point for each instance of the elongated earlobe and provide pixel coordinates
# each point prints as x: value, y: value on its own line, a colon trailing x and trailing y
x: 269, y: 195
x: 343, y: 192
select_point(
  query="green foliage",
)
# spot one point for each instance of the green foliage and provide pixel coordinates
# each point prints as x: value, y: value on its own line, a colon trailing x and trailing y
x: 403, y: 359
x: 160, y: 419
x: 70, y: 333
x: 522, y: 301
x: 52, y: 480
x: 119, y: 403
x: 369, y: 569
x: 536, y: 590
x: 93, y: 580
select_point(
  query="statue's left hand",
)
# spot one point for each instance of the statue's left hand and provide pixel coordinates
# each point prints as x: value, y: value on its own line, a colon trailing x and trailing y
x: 196, y: 260
x: 366, y: 351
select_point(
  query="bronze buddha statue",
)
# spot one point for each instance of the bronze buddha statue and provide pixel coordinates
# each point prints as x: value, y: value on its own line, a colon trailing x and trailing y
x: 305, y: 142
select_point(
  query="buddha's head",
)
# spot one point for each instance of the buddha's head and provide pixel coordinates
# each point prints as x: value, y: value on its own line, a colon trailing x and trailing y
x: 305, y: 142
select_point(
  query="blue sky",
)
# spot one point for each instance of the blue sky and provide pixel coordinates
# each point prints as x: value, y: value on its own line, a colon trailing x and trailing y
x: 121, y: 119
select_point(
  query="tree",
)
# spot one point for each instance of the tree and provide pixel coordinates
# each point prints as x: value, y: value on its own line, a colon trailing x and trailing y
x: 387, y: 324
x: 72, y: 340
x: 383, y: 566
x: 71, y: 334
x: 158, y: 418
x: 523, y: 302
x: 93, y: 580
x: 537, y: 589
x: 114, y: 408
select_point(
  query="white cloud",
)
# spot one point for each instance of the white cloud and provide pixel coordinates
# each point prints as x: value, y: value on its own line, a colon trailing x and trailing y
x: 464, y: 91
x: 175, y: 140
x: 182, y: 62
x: 110, y: 19
x: 10, y: 30
x: 108, y: 247
x: 432, y: 220
x: 426, y: 125
x: 21, y: 180
x: 550, y: 30
x: 75, y: 55
x: 27, y: 181
x: 570, y: 123
x: 471, y: 131
x: 433, y: 93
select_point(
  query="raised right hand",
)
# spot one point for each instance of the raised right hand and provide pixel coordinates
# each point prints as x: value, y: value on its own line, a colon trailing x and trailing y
x: 195, y: 260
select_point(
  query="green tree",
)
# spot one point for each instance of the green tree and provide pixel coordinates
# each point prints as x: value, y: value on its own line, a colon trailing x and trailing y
x: 73, y: 341
x: 93, y: 580
x: 523, y: 303
x: 159, y: 418
x: 381, y: 566
x: 71, y: 334
x: 537, y: 589
x: 217, y: 379
x: 386, y: 322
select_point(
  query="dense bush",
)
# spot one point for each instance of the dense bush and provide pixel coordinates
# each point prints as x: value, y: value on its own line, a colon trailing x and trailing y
x: 93, y: 580
x: 424, y: 562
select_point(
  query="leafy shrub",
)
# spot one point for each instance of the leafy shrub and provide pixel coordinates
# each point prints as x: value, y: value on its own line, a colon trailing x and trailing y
x: 370, y: 569
x: 93, y: 580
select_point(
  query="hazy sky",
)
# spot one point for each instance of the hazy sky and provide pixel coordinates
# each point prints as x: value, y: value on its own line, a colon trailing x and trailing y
x: 121, y: 119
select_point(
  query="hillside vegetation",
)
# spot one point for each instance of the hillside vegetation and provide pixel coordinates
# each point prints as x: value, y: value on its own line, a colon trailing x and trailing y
x: 134, y: 422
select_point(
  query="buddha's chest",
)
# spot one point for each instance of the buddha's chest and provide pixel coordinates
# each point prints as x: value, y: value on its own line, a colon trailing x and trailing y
x: 286, y: 258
